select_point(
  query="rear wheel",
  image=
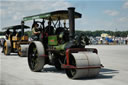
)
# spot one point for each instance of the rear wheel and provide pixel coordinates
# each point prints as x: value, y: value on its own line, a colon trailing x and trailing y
x: 7, y: 47
x: 58, y: 65
x: 36, y: 60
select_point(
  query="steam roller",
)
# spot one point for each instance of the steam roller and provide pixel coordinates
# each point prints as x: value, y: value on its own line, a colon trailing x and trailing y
x: 63, y: 48
x: 16, y: 39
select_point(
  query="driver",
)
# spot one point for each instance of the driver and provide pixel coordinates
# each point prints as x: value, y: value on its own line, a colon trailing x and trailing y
x: 7, y: 33
x: 35, y: 31
x: 49, y: 29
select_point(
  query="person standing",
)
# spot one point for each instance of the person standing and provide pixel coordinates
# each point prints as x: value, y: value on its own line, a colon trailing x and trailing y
x: 49, y: 29
x: 7, y: 33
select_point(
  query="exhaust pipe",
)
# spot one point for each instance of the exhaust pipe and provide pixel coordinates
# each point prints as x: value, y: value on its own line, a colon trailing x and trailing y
x: 22, y: 28
x: 71, y: 22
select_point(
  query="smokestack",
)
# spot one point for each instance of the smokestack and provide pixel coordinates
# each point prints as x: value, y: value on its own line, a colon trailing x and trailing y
x: 71, y: 22
x: 22, y: 28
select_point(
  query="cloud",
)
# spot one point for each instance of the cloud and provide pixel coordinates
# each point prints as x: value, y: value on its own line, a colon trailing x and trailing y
x: 17, y: 16
x: 12, y: 12
x: 11, y: 7
x: 60, y: 5
x: 111, y: 12
x: 123, y: 19
x: 125, y: 4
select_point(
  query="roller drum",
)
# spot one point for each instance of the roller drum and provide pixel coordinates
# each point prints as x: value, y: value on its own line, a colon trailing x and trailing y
x: 84, y: 59
x: 24, y: 50
x: 7, y: 47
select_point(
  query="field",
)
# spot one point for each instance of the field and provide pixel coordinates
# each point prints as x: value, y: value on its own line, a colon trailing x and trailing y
x: 15, y: 71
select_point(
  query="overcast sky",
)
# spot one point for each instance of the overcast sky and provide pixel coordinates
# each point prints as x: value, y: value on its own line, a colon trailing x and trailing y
x: 96, y: 14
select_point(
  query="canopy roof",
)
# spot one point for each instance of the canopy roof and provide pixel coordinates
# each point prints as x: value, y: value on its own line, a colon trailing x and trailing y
x: 62, y: 14
x: 15, y: 27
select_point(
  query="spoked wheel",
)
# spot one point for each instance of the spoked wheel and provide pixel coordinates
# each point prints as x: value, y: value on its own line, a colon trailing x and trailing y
x: 58, y: 65
x: 59, y: 59
x: 34, y: 57
x: 36, y: 60
x: 71, y: 72
x: 7, y: 47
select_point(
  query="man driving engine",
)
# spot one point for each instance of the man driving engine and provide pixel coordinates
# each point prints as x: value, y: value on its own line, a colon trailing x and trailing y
x: 35, y: 31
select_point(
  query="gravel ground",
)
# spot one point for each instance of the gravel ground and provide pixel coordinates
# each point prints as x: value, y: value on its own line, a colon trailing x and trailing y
x: 14, y: 70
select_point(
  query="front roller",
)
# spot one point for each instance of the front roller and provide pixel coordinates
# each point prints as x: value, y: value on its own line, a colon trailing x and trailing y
x: 83, y: 65
x: 23, y: 50
x: 36, y: 60
x: 7, y: 47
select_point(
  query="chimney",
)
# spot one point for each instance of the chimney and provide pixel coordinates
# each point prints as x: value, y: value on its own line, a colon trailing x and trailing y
x: 71, y: 22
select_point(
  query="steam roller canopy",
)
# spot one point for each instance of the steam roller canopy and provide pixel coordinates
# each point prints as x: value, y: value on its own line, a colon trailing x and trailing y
x: 81, y: 60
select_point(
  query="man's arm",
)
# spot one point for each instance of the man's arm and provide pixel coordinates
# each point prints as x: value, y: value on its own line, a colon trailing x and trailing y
x: 34, y: 32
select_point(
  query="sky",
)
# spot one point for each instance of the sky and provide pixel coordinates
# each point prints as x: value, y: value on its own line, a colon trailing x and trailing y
x: 96, y: 14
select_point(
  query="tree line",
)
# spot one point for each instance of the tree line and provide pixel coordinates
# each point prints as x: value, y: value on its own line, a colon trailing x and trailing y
x: 99, y: 32
x: 92, y: 33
